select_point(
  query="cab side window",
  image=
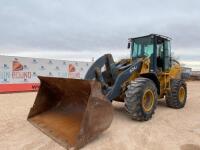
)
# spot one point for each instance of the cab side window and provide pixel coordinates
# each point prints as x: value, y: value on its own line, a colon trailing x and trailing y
x: 167, y: 55
x: 160, y: 55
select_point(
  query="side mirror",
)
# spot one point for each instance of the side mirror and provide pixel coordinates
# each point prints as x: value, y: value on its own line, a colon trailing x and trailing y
x: 129, y: 45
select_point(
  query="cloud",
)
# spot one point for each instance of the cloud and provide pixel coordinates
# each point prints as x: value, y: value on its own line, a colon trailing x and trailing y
x: 70, y: 55
x: 91, y: 25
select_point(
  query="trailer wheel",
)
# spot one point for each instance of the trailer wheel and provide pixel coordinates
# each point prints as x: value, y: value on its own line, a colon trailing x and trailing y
x: 141, y: 99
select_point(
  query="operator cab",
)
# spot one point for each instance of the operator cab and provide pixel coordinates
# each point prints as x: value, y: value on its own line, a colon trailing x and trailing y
x: 156, y: 47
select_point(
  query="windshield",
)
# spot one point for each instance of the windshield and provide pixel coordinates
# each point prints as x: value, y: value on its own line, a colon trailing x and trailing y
x: 142, y: 47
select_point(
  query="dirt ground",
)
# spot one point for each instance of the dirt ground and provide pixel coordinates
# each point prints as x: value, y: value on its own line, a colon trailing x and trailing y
x: 169, y: 129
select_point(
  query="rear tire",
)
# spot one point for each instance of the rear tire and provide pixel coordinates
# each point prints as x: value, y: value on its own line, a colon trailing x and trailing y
x: 176, y: 98
x: 141, y: 99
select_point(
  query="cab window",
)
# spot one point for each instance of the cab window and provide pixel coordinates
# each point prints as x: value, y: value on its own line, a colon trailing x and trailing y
x: 142, y: 47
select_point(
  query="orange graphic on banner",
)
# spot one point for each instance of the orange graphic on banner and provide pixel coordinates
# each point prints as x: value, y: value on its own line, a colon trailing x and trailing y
x: 72, y: 72
x: 72, y: 68
x: 17, y: 66
x: 18, y: 72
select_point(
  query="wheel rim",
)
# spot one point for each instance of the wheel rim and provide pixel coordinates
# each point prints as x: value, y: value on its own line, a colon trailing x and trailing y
x: 181, y: 94
x: 148, y: 100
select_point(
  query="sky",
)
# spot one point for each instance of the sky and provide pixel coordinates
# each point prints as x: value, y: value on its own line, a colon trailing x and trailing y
x: 82, y: 29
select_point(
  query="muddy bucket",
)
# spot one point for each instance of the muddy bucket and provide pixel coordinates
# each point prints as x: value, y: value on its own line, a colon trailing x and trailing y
x: 71, y: 111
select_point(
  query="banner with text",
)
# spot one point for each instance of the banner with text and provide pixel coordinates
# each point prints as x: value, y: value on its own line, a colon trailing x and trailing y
x: 20, y: 73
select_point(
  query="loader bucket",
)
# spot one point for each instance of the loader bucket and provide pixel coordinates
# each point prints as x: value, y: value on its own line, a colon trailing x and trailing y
x: 71, y: 111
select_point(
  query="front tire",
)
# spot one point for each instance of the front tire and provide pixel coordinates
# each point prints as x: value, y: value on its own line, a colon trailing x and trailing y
x: 141, y: 99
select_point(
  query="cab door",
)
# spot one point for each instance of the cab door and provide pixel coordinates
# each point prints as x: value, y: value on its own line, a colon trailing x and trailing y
x: 163, y: 55
x: 167, y: 55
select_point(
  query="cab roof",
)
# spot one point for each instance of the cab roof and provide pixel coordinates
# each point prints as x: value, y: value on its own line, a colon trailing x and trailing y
x: 154, y: 35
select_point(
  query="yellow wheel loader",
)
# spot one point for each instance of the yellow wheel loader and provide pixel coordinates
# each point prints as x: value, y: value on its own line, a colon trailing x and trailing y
x: 73, y: 111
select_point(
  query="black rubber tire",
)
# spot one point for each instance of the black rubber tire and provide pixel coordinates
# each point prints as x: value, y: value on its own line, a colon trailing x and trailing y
x: 172, y: 98
x: 133, y: 99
